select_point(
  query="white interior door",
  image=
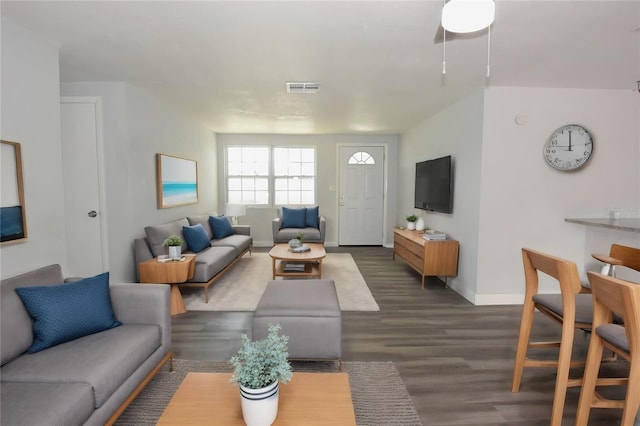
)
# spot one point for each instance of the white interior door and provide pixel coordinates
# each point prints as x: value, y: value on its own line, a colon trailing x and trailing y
x: 361, y: 196
x: 80, y: 126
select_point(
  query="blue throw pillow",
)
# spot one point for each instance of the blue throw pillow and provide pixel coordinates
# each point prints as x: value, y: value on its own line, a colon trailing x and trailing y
x: 65, y: 312
x: 196, y: 236
x: 312, y: 217
x: 293, y: 218
x: 220, y: 226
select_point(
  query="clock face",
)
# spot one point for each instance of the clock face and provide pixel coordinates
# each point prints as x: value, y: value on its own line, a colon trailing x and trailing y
x: 568, y: 148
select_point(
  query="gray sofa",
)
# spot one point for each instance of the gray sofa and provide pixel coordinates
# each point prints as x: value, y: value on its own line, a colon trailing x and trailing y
x: 211, y: 263
x: 89, y: 380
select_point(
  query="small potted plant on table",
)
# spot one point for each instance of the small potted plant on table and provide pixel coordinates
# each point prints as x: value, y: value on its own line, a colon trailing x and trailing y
x: 258, y: 368
x: 174, y: 242
x: 297, y: 241
x: 411, y: 221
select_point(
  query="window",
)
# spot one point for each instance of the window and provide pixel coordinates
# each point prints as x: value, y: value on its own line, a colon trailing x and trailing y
x: 253, y: 178
x: 361, y: 157
x: 294, y: 172
x: 248, y: 174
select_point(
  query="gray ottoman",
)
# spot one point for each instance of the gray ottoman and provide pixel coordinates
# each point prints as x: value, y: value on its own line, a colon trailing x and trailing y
x: 309, y: 314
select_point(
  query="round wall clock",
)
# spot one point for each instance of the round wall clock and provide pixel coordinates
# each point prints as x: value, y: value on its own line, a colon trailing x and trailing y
x: 569, y: 147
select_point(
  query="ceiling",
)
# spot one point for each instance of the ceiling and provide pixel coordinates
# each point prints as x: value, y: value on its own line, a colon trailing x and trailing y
x: 226, y: 63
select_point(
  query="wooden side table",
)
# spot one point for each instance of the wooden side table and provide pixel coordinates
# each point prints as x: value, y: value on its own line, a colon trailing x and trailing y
x: 171, y: 272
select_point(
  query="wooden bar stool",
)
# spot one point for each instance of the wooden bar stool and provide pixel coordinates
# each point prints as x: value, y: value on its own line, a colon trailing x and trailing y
x: 618, y: 256
x: 569, y: 308
x: 612, y: 295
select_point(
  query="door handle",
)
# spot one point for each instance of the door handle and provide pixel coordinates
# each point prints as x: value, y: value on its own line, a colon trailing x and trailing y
x: 92, y: 213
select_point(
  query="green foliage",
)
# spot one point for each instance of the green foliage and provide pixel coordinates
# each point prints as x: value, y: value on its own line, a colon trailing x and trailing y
x: 299, y: 235
x: 412, y: 218
x: 173, y: 240
x: 258, y: 364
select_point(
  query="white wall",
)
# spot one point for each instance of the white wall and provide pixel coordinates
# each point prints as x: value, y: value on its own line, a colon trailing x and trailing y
x: 505, y: 195
x: 455, y: 131
x: 524, y: 201
x: 30, y: 115
x: 327, y: 178
x: 136, y: 127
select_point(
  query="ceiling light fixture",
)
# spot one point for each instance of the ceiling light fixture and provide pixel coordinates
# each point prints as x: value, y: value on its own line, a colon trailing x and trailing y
x: 467, y: 16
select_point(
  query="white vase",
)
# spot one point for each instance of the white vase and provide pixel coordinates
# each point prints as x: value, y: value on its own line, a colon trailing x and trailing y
x: 175, y: 252
x: 420, y: 225
x: 260, y: 406
x: 411, y: 226
x: 295, y: 243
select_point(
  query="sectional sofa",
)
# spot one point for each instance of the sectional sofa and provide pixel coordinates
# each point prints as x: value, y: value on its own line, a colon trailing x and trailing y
x: 217, y: 244
x: 88, y: 380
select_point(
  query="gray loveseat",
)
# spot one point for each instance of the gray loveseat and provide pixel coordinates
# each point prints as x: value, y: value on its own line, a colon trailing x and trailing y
x: 89, y: 380
x: 211, y: 262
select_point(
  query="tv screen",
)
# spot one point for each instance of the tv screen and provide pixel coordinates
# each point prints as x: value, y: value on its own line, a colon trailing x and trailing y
x: 434, y: 185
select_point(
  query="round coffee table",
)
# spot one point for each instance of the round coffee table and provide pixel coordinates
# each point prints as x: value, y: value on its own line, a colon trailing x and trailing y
x: 285, y: 263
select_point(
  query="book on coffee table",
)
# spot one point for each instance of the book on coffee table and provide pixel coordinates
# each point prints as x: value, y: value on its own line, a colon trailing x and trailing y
x: 294, y: 267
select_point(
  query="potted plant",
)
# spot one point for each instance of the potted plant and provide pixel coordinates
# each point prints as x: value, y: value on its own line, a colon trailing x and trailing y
x: 174, y: 242
x: 411, y: 221
x: 258, y: 368
x: 297, y: 241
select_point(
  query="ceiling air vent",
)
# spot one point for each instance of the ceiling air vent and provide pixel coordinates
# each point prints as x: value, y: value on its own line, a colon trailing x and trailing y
x: 294, y: 87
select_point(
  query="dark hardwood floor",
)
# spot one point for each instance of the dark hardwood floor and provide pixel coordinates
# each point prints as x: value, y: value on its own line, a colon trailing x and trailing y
x: 455, y: 358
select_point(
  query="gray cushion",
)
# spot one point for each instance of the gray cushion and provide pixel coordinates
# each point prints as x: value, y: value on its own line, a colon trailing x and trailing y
x: 202, y: 219
x: 104, y: 360
x: 211, y: 261
x: 15, y: 323
x: 44, y: 404
x: 614, y: 334
x: 553, y: 302
x: 156, y: 234
x: 240, y: 243
x: 311, y: 235
x: 310, y: 298
x: 309, y: 313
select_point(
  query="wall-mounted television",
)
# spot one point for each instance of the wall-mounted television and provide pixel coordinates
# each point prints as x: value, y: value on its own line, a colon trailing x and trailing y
x: 434, y: 185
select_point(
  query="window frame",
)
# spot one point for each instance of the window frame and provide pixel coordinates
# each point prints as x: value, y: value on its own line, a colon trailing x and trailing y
x: 271, y: 177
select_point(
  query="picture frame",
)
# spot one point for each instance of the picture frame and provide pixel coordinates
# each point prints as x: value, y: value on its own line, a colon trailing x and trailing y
x: 13, y: 218
x: 176, y: 181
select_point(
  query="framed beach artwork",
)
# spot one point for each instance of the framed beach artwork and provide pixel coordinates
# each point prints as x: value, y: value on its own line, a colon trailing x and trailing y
x: 13, y: 223
x: 177, y: 181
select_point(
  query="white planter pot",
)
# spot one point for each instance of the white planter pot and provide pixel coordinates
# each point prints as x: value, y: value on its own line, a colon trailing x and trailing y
x: 294, y: 243
x: 411, y: 226
x: 420, y: 225
x: 260, y: 406
x: 175, y: 252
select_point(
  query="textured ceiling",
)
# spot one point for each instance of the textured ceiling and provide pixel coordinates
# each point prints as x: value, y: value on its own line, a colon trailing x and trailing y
x: 227, y: 62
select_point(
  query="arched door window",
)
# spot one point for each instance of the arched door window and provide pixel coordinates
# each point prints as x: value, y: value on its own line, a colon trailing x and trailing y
x: 361, y: 157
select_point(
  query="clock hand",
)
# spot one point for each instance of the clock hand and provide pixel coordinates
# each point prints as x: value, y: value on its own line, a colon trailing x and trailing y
x: 569, y: 140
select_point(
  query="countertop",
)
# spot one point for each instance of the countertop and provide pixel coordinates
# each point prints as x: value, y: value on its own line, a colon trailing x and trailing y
x: 624, y: 224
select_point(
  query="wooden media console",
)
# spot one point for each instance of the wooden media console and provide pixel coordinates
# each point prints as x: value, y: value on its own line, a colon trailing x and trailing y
x: 428, y: 257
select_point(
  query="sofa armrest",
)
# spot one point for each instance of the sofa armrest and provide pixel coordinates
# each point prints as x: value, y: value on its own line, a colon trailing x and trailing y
x: 322, y: 225
x: 141, y: 250
x: 242, y: 229
x: 143, y: 304
x: 276, y: 224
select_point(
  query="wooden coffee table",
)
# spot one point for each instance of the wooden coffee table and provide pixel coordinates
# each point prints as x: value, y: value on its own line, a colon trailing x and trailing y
x: 171, y: 272
x: 309, y: 399
x: 310, y: 260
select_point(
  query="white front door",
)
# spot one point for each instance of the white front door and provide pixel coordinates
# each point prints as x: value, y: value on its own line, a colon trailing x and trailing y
x: 80, y: 126
x: 361, y: 196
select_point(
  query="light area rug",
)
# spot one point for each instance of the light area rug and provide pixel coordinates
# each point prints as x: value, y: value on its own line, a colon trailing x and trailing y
x: 242, y: 286
x: 379, y: 396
